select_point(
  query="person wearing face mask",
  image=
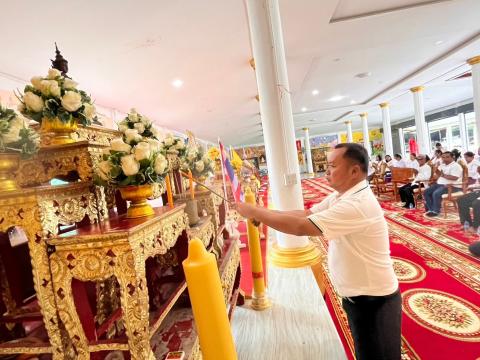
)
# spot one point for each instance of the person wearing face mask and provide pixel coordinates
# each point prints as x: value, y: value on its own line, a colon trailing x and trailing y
x: 361, y: 268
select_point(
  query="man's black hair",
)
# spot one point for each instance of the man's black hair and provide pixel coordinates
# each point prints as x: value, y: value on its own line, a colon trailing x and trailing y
x: 469, y: 154
x: 438, y: 144
x: 356, y: 153
x: 397, y: 156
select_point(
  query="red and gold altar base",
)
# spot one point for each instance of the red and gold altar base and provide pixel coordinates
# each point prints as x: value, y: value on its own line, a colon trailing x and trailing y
x: 137, y: 195
x: 8, y: 165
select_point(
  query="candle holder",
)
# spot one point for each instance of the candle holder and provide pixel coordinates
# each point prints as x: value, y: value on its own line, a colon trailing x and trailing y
x: 191, y: 208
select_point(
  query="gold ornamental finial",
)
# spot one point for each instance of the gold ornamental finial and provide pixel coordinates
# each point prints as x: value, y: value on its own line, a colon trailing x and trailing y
x: 384, y: 105
x: 363, y: 115
x: 417, y: 89
x: 347, y: 122
x: 252, y: 63
x: 305, y: 129
x: 474, y: 60
x: 257, y: 97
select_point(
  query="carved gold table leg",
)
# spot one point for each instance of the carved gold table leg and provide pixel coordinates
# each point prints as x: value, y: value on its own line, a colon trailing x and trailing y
x: 62, y: 285
x: 130, y: 273
x: 44, y: 288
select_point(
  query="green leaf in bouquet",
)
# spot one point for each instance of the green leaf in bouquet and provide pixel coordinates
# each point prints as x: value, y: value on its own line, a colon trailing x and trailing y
x: 115, y: 171
x: 140, y: 178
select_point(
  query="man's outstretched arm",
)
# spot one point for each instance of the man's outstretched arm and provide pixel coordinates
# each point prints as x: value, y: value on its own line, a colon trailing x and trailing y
x: 295, y: 223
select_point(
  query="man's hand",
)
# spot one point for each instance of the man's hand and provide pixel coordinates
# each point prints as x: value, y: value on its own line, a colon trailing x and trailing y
x: 246, y: 210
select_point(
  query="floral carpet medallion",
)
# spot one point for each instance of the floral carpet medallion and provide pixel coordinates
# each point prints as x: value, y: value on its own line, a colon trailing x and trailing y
x: 407, y: 271
x: 443, y: 313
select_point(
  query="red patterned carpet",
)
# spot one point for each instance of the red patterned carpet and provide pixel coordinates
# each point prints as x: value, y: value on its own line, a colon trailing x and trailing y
x: 439, y: 280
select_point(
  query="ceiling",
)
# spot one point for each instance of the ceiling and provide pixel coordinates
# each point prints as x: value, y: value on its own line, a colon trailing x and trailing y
x: 127, y: 55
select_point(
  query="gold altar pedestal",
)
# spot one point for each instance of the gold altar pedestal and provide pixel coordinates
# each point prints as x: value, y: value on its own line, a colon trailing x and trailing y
x: 39, y: 212
x: 118, y: 247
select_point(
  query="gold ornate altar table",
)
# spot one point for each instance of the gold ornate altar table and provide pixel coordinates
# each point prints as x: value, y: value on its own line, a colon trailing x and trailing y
x: 39, y: 211
x: 118, y: 247
x: 60, y: 160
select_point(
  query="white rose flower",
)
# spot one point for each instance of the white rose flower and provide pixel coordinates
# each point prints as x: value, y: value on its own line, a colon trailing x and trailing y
x: 69, y: 84
x: 54, y: 88
x: 168, y: 140
x: 155, y: 145
x: 119, y: 145
x: 161, y: 164
x: 11, y: 136
x: 89, y: 111
x: 142, y: 151
x: 21, y: 107
x: 53, y: 73
x: 191, y: 155
x: 157, y: 133
x: 36, y: 82
x: 122, y: 127
x: 199, y: 166
x: 33, y: 102
x: 130, y: 166
x: 104, y: 169
x: 133, y: 117
x: 71, y: 101
x: 132, y: 135
x: 146, y: 121
x: 180, y: 144
x: 140, y: 127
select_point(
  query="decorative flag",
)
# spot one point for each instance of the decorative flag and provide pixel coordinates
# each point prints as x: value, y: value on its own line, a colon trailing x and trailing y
x: 232, y: 177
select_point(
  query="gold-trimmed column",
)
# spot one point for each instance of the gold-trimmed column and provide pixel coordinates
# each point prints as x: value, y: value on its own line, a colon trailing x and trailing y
x: 421, y: 129
x: 475, y: 64
x: 387, y: 129
x: 308, y: 152
x: 259, y: 296
x: 349, y: 131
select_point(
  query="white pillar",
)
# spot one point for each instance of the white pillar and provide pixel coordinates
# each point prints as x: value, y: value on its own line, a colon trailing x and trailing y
x: 308, y: 152
x: 475, y: 63
x: 349, y: 131
x: 387, y: 129
x: 339, y: 138
x: 463, y: 131
x: 402, y: 143
x: 276, y: 111
x: 449, y: 137
x: 423, y: 137
x: 366, y: 135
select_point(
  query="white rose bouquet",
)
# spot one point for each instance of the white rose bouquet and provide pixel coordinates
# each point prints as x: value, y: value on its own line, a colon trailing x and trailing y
x: 139, y: 164
x: 136, y: 128
x: 198, y: 161
x: 174, y: 145
x: 15, y: 134
x: 56, y: 96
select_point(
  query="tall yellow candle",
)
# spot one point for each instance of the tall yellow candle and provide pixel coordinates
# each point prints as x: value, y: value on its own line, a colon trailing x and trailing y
x: 208, y: 305
x: 190, y: 180
x: 259, y: 298
x: 169, y: 191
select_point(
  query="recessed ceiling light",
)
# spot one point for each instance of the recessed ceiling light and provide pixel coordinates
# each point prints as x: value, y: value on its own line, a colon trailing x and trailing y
x: 353, y: 102
x: 303, y: 109
x: 315, y: 92
x: 336, y: 59
x: 177, y: 83
x: 439, y: 42
x: 336, y: 98
x: 363, y: 75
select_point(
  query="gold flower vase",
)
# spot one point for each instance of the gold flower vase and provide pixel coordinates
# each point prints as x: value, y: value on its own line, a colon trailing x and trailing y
x: 54, y: 131
x: 137, y: 195
x: 8, y: 165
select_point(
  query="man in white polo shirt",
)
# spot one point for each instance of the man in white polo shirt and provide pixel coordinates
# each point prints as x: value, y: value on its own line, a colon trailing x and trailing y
x: 358, y: 254
x: 449, y: 172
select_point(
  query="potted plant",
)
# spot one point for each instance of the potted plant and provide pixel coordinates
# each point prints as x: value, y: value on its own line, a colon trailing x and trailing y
x: 17, y: 141
x: 55, y: 102
x: 133, y: 163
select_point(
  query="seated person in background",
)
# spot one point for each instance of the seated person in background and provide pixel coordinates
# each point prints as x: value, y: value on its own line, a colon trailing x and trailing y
x: 412, y: 162
x: 450, y: 172
x: 457, y: 156
x: 388, y: 163
x: 438, y: 147
x: 466, y: 202
x: 397, y: 162
x: 437, y: 158
x: 371, y: 171
x: 473, y: 167
x: 378, y: 162
x: 424, y: 173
